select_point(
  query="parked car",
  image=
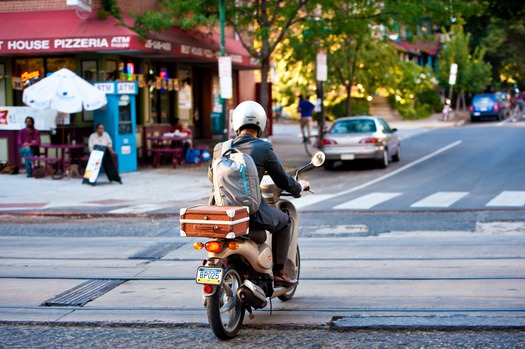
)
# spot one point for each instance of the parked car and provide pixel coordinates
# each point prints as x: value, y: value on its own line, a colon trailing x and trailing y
x: 360, y: 137
x: 490, y: 105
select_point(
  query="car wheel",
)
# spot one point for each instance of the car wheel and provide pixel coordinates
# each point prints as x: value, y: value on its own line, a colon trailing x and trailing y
x: 395, y: 157
x: 383, y: 163
x: 473, y: 119
x: 329, y: 164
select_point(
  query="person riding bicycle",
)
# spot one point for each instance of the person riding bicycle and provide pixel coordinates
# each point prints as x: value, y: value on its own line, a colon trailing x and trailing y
x: 249, y: 122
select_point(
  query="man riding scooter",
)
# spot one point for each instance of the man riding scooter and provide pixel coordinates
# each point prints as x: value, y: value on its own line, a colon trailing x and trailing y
x: 249, y: 122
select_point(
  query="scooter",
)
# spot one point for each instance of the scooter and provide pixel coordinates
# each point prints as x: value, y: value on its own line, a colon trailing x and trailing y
x: 237, y: 274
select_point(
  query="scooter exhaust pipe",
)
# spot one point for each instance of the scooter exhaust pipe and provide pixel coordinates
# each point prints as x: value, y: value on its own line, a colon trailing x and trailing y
x: 252, y: 295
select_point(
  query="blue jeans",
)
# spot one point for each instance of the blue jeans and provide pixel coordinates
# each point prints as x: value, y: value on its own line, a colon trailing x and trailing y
x: 25, y: 152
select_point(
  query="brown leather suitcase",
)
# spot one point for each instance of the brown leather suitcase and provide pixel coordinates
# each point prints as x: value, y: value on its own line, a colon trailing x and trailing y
x: 214, y: 221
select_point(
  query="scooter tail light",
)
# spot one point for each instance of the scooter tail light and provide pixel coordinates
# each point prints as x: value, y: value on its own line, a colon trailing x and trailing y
x: 213, y: 246
x: 207, y: 289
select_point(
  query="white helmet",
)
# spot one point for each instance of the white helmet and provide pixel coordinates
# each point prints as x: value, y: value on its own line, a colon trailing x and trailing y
x: 249, y: 113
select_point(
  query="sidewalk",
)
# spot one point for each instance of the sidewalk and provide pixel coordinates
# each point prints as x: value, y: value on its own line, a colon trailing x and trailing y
x: 160, y: 190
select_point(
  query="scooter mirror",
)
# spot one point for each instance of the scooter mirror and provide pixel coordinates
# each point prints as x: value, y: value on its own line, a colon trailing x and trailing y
x: 318, y: 159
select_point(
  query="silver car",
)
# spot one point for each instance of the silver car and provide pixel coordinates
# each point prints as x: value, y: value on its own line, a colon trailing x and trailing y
x: 360, y: 137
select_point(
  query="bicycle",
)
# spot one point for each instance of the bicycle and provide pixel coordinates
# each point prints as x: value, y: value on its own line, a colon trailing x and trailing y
x: 515, y: 112
x: 311, y: 144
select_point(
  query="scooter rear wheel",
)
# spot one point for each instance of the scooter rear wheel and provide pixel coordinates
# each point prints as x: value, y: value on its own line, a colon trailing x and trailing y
x: 294, y: 274
x: 225, y: 310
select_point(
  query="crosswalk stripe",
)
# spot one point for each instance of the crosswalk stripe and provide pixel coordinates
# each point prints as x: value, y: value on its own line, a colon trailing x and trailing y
x: 440, y: 199
x: 307, y: 200
x: 367, y: 201
x: 508, y: 199
x: 139, y: 208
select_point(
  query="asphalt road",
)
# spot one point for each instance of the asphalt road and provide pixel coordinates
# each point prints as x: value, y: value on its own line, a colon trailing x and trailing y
x: 139, y: 337
x: 428, y: 253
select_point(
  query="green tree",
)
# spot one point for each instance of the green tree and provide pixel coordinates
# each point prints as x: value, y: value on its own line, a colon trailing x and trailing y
x: 473, y: 75
x: 261, y: 25
x: 354, y: 34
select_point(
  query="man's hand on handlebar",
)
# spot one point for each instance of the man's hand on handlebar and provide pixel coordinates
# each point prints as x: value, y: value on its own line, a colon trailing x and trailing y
x: 305, y: 184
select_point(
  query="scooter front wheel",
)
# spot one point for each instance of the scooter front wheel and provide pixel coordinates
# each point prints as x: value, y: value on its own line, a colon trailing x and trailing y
x: 225, y: 310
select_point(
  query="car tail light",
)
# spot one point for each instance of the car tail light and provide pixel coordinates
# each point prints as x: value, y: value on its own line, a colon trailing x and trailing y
x: 471, y: 108
x: 369, y: 140
x: 496, y: 106
x: 327, y: 141
x: 213, y: 246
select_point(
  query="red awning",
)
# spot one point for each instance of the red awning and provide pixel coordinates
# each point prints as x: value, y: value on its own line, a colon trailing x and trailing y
x: 233, y: 48
x: 47, y: 32
x: 429, y: 47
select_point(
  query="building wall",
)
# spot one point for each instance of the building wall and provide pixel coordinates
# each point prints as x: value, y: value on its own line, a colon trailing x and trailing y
x: 246, y: 78
x: 37, y: 5
x: 126, y: 6
x: 138, y: 7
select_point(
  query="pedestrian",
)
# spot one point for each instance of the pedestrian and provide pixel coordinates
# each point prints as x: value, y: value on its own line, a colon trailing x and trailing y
x: 305, y: 109
x: 29, y: 143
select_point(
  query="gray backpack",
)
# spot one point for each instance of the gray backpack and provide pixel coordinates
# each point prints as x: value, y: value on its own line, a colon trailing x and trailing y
x: 235, y: 179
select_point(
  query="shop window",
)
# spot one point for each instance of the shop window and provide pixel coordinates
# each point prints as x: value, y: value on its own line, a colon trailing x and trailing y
x: 56, y: 63
x: 89, y: 70
x: 185, y: 97
x: 111, y: 70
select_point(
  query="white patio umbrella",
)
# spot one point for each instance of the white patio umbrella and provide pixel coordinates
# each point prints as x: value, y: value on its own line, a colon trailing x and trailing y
x: 65, y: 92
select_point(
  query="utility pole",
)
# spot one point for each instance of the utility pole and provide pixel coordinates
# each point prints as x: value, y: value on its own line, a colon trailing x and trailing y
x: 223, y: 53
x: 321, y: 76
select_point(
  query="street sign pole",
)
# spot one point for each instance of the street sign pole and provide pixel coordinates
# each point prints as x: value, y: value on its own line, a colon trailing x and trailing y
x: 222, y: 18
x: 452, y: 80
x: 321, y: 77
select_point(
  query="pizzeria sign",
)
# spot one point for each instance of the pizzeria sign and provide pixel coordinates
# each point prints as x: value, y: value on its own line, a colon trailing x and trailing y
x: 43, y: 45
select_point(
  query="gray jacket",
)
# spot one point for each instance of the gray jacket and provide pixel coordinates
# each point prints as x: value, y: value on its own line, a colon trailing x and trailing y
x: 265, y: 159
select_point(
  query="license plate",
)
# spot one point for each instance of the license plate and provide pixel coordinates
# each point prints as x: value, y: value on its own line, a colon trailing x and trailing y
x: 347, y: 156
x: 206, y: 275
x: 476, y: 114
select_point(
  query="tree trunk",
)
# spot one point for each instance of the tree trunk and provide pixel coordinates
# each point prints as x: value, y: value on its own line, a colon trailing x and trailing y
x: 348, y: 109
x: 265, y: 66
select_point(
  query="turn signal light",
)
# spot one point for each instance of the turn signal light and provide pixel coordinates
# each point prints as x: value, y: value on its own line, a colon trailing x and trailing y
x: 198, y: 245
x: 213, y: 246
x: 232, y: 245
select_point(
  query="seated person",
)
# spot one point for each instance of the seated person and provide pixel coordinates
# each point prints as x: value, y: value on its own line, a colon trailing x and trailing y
x: 176, y: 126
x: 29, y: 143
x: 100, y: 138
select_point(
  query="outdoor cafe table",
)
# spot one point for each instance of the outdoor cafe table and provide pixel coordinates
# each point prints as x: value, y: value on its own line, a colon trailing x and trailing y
x: 64, y: 153
x: 168, y: 145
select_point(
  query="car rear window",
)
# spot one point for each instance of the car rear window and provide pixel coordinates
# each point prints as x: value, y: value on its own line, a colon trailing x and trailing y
x: 354, y: 126
x: 484, y: 98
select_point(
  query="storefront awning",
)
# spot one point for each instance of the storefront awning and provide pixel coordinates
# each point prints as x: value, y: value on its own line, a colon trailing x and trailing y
x: 52, y: 32
x: 233, y: 47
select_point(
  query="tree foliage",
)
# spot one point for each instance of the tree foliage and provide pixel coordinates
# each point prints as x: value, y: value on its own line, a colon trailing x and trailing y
x: 474, y: 74
x: 261, y: 25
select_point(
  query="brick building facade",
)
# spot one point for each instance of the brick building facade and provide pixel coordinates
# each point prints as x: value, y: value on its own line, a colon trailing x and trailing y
x: 40, y: 37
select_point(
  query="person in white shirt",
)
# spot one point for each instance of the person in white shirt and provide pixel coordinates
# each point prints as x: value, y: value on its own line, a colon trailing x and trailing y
x: 101, y: 138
